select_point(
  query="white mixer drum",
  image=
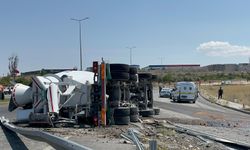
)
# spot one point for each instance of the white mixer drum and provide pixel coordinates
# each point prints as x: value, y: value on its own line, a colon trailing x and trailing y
x: 21, y: 95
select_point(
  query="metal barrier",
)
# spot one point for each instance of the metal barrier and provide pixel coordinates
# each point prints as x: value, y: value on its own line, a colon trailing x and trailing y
x: 207, y: 137
x: 130, y: 136
x: 54, y: 141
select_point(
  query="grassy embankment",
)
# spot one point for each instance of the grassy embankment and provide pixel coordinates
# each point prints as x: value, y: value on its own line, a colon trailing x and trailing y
x: 4, y: 102
x: 234, y: 93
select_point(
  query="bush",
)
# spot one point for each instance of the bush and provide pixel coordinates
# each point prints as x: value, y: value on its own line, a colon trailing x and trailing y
x: 23, y: 80
x: 5, y: 81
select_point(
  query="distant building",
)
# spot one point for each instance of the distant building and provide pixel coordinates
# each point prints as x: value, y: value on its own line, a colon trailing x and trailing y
x: 222, y: 67
x: 244, y: 67
x: 172, y: 67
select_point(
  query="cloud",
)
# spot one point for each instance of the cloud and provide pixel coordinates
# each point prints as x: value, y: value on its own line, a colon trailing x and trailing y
x: 225, y: 49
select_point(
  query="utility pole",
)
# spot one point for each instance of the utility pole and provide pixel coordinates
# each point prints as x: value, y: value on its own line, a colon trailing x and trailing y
x: 130, y: 53
x: 80, y: 37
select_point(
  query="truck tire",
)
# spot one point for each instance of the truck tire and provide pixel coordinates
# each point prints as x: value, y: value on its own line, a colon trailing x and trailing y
x: 121, y: 111
x: 154, y: 77
x: 150, y: 105
x: 132, y: 77
x: 142, y: 106
x: 156, y: 111
x: 132, y: 70
x: 134, y: 118
x: 121, y: 76
x: 147, y: 113
x: 145, y: 76
x: 119, y: 68
x: 114, y: 104
x: 134, y: 111
x: 121, y: 120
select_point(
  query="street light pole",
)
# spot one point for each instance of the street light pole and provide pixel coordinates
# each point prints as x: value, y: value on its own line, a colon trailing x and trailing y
x: 130, y: 52
x: 80, y: 37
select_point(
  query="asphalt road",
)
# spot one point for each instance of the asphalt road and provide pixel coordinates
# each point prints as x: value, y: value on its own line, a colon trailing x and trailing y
x: 202, y: 110
x: 12, y: 141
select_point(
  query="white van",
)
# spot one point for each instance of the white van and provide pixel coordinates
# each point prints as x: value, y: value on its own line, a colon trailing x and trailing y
x: 185, y: 91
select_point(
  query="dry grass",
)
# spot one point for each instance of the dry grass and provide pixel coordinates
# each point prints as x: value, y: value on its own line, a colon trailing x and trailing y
x: 235, y: 93
x: 166, y: 131
x: 4, y: 102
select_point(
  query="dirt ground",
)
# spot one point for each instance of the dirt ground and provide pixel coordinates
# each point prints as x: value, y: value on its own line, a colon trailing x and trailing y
x: 166, y: 137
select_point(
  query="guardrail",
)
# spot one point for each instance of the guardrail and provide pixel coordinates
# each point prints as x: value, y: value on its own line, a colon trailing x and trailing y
x: 54, y: 141
x: 207, y: 137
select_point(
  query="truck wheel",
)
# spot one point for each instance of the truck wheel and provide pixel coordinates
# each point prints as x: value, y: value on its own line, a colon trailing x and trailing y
x: 134, y: 111
x: 114, y: 104
x: 124, y: 120
x: 156, y: 111
x: 121, y: 111
x: 150, y: 105
x: 145, y: 76
x: 147, y: 113
x: 121, y: 76
x: 119, y: 68
x: 154, y: 77
x: 134, y: 118
x: 142, y: 106
x: 132, y: 70
x: 132, y: 77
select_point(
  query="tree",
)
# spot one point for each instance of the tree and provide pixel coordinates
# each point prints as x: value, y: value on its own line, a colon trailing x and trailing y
x: 5, y: 80
x: 168, y: 78
x: 24, y: 80
x: 13, y: 62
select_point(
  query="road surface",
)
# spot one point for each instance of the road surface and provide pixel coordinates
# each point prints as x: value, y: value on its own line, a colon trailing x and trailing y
x: 206, y: 117
x: 203, y: 110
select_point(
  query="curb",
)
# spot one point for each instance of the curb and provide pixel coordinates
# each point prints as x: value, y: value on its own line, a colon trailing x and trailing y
x: 239, y: 110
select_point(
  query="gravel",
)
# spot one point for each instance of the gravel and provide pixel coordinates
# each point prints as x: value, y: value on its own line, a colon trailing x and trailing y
x: 167, y: 138
x: 234, y: 134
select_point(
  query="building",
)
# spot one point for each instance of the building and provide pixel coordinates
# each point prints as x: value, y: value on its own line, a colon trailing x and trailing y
x: 173, y: 67
x: 244, y: 67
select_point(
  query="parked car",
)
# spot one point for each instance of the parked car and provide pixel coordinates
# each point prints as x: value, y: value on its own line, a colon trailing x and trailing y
x: 7, y: 92
x: 165, y: 92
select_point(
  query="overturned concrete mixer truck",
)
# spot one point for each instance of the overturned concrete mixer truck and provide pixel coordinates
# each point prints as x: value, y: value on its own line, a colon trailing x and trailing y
x: 109, y: 94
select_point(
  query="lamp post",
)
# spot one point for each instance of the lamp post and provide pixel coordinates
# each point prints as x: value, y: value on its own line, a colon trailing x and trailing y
x: 130, y: 53
x: 80, y: 37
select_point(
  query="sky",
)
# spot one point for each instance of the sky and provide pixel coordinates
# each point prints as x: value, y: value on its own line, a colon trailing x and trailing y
x: 42, y: 34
